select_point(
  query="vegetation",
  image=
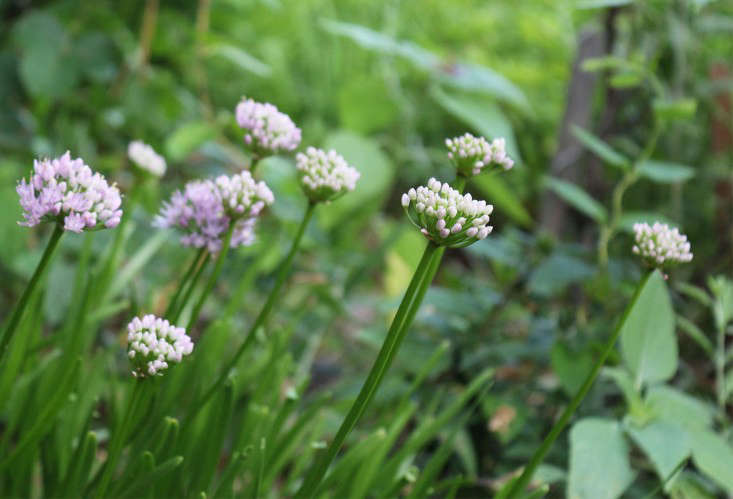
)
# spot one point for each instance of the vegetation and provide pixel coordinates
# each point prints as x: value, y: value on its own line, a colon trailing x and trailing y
x: 236, y: 311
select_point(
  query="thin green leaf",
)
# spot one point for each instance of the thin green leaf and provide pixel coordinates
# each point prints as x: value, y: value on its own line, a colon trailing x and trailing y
x: 601, y: 149
x: 577, y: 198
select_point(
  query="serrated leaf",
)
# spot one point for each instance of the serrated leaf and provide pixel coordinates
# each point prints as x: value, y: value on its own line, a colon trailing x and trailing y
x: 600, y: 148
x: 599, y: 463
x: 648, y: 342
x: 577, y: 198
x: 665, y: 172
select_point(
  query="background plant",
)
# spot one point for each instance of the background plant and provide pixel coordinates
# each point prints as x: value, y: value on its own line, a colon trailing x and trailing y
x: 384, y: 84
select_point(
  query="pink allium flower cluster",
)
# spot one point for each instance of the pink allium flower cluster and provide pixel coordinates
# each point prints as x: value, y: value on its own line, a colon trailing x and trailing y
x: 65, y: 189
x: 267, y: 130
x: 153, y: 342
x: 325, y: 176
x: 659, y: 245
x: 205, y: 208
x: 472, y: 154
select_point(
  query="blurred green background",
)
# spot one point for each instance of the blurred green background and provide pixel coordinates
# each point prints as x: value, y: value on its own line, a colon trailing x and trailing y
x: 384, y: 83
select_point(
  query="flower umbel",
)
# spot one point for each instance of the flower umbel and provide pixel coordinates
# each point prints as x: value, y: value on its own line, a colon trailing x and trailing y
x: 146, y: 158
x: 471, y: 155
x: 325, y: 176
x: 205, y: 208
x: 447, y: 217
x: 153, y: 343
x: 267, y: 130
x: 660, y: 246
x: 65, y: 189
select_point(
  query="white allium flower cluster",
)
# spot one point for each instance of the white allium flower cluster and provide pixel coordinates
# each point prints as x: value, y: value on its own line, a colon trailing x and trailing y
x: 67, y: 190
x: 146, y: 158
x: 325, y: 176
x: 205, y: 208
x: 153, y: 343
x: 267, y: 130
x: 471, y: 155
x: 447, y: 217
x: 659, y: 245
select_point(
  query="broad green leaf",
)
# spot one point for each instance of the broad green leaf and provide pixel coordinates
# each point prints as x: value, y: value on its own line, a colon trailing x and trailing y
x: 377, y: 175
x: 240, y: 58
x: 648, y: 341
x: 677, y: 407
x: 627, y: 220
x: 593, y: 64
x: 664, y: 443
x: 600, y: 148
x: 714, y: 457
x: 480, y: 113
x: 498, y: 193
x: 599, y: 463
x: 187, y: 138
x: 665, y: 172
x: 578, y: 198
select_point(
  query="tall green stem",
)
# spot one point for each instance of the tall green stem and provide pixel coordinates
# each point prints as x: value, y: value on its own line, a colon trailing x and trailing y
x: 119, y: 437
x: 181, y: 302
x: 213, y: 277
x: 521, y: 483
x: 400, y: 324
x: 17, y: 314
x: 172, y: 304
x: 264, y: 313
x: 608, y: 230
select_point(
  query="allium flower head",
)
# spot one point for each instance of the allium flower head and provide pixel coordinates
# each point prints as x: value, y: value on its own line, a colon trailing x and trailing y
x: 146, y: 158
x: 65, y: 189
x: 471, y: 155
x: 660, y: 246
x: 447, y: 217
x: 205, y: 208
x: 325, y: 176
x: 153, y: 343
x: 267, y: 130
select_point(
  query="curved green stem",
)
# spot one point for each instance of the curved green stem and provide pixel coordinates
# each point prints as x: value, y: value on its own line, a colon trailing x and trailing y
x: 190, y: 287
x: 181, y: 285
x: 521, y: 483
x: 400, y: 324
x: 17, y: 314
x: 264, y: 313
x: 120, y: 437
x: 212, y: 278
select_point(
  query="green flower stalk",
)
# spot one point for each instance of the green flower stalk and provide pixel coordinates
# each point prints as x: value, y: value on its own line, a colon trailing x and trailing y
x: 153, y: 344
x: 325, y: 177
x: 69, y: 194
x: 448, y: 220
x: 657, y: 246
